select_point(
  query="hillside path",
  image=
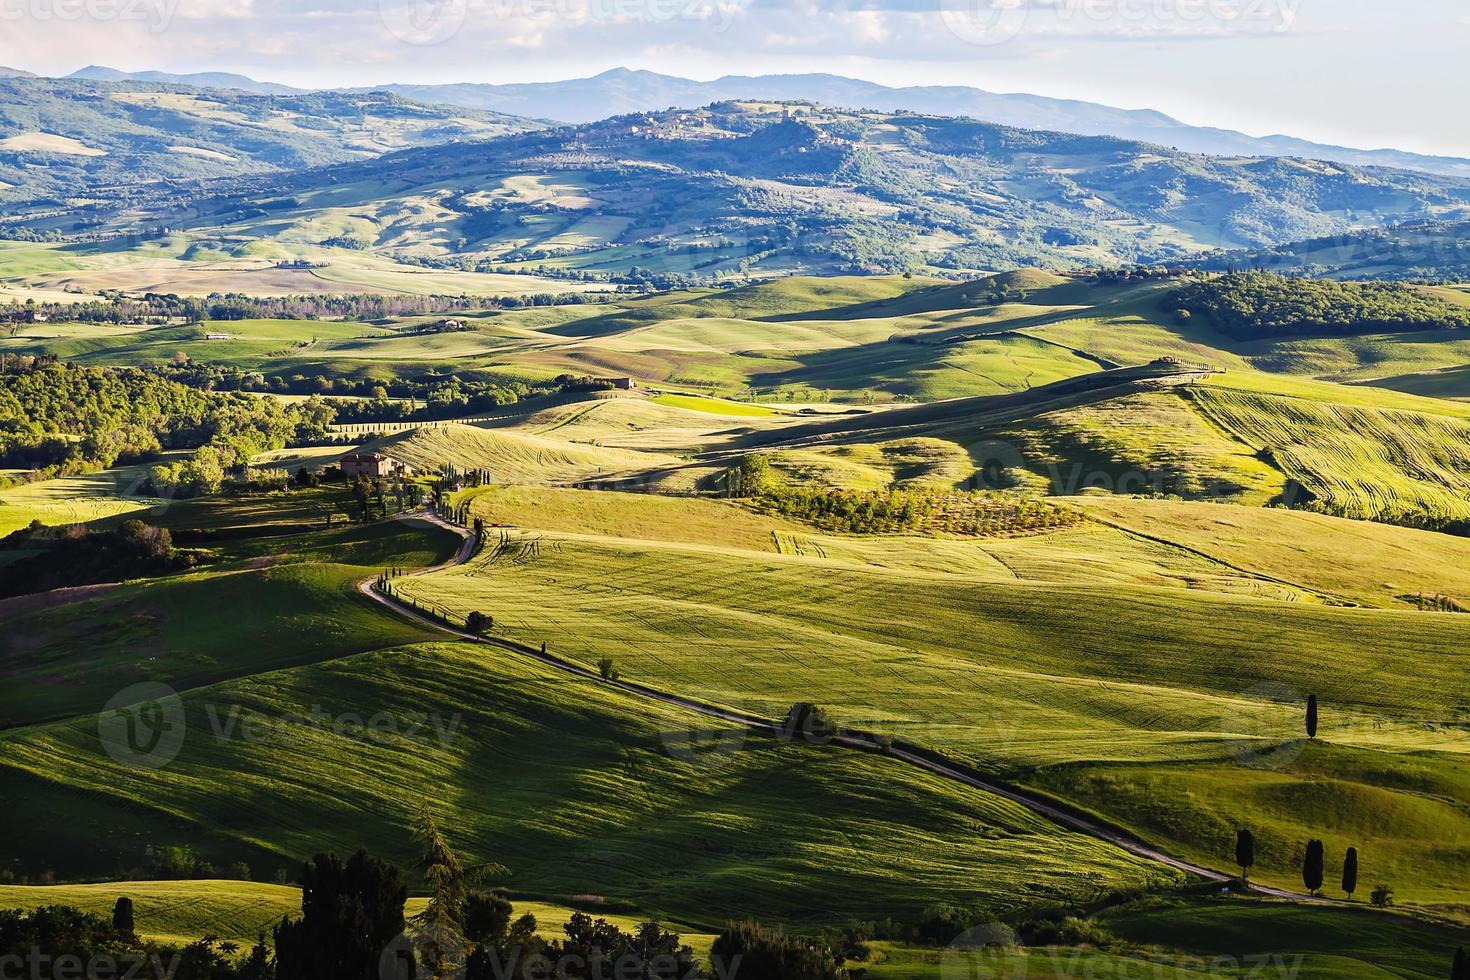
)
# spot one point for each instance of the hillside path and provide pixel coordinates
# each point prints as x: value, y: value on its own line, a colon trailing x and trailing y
x: 849, y: 739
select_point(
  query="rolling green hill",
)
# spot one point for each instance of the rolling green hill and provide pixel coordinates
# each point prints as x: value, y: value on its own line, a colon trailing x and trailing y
x: 775, y: 187
x: 1153, y: 682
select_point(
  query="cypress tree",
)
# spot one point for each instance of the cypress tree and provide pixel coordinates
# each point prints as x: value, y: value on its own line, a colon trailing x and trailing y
x: 1245, y: 854
x: 1350, y: 872
x: 1461, y: 969
x: 122, y: 915
x: 1313, y: 866
x: 1311, y: 716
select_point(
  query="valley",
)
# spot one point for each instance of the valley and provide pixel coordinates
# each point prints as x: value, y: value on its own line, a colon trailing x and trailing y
x: 854, y: 542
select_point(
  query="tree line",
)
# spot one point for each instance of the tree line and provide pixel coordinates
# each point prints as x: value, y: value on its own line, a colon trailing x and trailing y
x: 116, y: 307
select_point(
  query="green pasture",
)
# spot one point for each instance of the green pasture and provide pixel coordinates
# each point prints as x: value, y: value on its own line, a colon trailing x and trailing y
x: 648, y: 805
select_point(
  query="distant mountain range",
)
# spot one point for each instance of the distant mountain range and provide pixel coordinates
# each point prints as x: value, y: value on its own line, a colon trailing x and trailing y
x: 207, y: 79
x: 622, y: 91
x: 74, y: 136
x: 752, y: 186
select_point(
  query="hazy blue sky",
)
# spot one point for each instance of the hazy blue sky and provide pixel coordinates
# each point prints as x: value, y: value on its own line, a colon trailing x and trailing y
x: 1359, y: 72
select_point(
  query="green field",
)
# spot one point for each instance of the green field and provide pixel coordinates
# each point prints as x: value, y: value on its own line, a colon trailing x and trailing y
x: 76, y: 499
x: 1145, y: 662
x: 626, y: 798
x: 179, y: 912
x: 1014, y: 656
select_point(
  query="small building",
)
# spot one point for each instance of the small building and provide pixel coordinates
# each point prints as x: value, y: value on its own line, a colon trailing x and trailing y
x: 216, y: 336
x: 621, y: 384
x: 373, y: 466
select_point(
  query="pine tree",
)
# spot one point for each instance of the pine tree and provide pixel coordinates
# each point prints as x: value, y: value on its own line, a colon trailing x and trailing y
x: 1311, y: 716
x: 441, y: 925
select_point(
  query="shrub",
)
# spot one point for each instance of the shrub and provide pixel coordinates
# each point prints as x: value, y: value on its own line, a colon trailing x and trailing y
x: 1382, y: 896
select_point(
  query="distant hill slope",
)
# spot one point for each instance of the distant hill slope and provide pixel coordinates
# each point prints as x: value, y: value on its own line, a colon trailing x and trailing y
x: 68, y: 136
x: 622, y: 91
x: 780, y: 187
x: 1414, y: 250
x: 203, y: 79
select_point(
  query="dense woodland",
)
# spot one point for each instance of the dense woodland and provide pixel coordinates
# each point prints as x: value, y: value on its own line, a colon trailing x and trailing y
x: 59, y: 419
x: 1262, y: 305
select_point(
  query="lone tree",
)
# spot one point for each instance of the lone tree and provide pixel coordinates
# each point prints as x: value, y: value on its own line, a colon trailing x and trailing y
x: 1350, y: 872
x: 122, y: 915
x: 808, y: 722
x: 1461, y: 970
x: 607, y: 669
x: 478, y: 623
x: 1245, y: 854
x: 1382, y: 896
x: 1311, y: 716
x: 1313, y: 866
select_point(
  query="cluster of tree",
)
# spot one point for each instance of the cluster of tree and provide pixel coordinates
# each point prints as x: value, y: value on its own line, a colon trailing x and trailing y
x: 1263, y: 305
x: 59, y: 419
x: 1122, y: 276
x: 389, y: 496
x: 1420, y: 515
x: 164, y: 307
x: 770, y: 953
x: 430, y: 397
x: 82, y: 555
x: 974, y: 513
x: 352, y: 927
x: 60, y: 941
x: 1314, y: 868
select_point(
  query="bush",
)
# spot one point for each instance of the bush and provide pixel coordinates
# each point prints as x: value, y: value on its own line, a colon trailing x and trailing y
x: 772, y: 955
x: 808, y: 722
x: 1382, y: 897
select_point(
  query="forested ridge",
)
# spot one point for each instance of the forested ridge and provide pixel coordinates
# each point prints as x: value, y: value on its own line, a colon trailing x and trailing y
x: 1261, y: 305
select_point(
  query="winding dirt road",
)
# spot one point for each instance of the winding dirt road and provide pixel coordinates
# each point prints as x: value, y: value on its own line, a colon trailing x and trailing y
x: 860, y: 741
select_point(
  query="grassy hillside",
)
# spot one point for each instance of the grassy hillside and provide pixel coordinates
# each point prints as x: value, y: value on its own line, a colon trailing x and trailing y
x: 511, y: 457
x: 1015, y: 655
x: 628, y: 799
